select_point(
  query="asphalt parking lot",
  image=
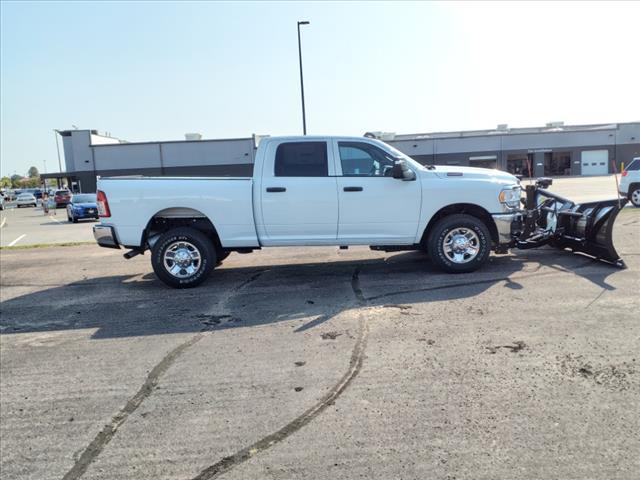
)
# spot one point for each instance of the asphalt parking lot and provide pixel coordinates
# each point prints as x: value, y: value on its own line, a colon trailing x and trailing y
x: 30, y: 226
x: 321, y: 363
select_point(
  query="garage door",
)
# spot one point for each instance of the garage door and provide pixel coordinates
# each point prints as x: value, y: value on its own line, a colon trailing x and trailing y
x: 595, y: 162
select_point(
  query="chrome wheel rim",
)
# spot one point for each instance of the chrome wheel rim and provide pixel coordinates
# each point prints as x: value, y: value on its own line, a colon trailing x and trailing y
x: 182, y: 259
x: 461, y: 245
x: 635, y: 197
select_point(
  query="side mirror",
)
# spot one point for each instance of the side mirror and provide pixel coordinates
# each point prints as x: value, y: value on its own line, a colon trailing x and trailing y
x: 400, y: 171
x: 396, y: 170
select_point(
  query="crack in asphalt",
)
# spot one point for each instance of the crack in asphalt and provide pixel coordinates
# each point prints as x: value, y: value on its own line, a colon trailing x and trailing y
x: 355, y: 365
x: 109, y: 430
x: 596, y: 298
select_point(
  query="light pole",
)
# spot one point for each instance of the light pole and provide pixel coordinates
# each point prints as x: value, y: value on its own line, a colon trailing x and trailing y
x: 304, y: 118
x: 55, y: 134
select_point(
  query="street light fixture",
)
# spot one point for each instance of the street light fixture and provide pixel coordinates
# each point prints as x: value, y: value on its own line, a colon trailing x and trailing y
x: 304, y: 118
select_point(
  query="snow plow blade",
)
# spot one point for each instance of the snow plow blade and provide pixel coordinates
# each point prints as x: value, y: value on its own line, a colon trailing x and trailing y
x: 586, y: 227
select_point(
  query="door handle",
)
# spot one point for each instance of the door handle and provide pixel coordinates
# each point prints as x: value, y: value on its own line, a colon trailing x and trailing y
x: 352, y: 189
x: 276, y: 189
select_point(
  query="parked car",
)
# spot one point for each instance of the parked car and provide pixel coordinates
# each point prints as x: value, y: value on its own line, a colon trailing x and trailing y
x: 9, y: 195
x: 82, y: 206
x: 26, y: 200
x: 343, y: 191
x: 630, y: 182
x: 36, y: 192
x: 62, y: 198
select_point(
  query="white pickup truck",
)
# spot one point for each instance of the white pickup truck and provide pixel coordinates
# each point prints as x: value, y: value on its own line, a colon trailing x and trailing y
x: 340, y: 191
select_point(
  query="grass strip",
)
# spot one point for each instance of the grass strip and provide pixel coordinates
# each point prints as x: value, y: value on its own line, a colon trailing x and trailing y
x: 47, y: 245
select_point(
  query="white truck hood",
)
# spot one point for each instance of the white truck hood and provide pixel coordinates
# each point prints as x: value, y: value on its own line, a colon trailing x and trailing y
x: 452, y: 172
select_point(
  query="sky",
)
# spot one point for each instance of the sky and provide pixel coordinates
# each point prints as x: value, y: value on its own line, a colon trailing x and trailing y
x: 148, y: 70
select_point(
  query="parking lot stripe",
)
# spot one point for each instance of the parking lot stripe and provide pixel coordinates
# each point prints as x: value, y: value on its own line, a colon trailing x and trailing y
x: 4, y: 220
x: 54, y: 219
x: 17, y: 239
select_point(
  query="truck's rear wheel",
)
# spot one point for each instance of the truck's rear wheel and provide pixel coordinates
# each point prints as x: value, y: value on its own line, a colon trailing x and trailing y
x: 222, y: 254
x: 459, y: 244
x: 183, y: 257
x: 634, y: 195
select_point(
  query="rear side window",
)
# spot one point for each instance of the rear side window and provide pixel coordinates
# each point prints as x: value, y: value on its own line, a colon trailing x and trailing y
x: 635, y: 165
x: 301, y: 159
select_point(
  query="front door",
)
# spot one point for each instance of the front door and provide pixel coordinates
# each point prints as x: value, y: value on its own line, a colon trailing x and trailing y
x: 299, y: 194
x: 374, y: 207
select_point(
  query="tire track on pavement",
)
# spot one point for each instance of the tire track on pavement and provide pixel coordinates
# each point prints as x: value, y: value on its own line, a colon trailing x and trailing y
x: 105, y: 435
x: 355, y: 365
x: 470, y: 283
x: 109, y: 430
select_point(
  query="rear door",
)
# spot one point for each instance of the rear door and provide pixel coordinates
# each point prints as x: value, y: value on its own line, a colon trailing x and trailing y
x: 299, y: 193
x: 375, y: 208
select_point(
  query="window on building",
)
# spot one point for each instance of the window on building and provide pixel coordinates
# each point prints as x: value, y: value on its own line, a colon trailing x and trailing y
x: 557, y: 163
x: 364, y: 160
x: 483, y: 161
x: 520, y: 164
x: 301, y: 159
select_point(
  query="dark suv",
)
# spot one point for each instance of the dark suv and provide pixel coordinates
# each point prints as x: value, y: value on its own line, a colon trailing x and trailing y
x: 62, y: 198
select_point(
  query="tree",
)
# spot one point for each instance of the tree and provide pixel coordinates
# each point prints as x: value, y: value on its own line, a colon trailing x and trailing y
x: 5, y: 182
x: 15, y: 180
x: 33, y: 172
x: 32, y: 182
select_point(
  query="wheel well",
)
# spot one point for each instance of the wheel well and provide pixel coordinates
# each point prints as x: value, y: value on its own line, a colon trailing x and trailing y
x: 171, y: 218
x: 465, y: 208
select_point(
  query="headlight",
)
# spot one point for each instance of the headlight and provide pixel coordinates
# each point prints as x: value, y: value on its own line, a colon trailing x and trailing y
x: 510, y: 197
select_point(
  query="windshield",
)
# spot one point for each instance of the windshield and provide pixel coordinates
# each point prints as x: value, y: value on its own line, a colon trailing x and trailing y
x: 398, y: 154
x: 85, y: 198
x: 62, y: 192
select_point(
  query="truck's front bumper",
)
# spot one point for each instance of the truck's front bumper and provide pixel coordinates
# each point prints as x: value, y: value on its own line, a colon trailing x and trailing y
x: 105, y: 236
x: 507, y: 225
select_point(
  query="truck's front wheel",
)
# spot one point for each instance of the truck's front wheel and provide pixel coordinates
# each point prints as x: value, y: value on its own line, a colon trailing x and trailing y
x: 183, y: 257
x: 459, y: 244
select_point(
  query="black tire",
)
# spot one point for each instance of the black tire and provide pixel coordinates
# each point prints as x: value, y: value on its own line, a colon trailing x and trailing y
x: 197, y: 239
x: 634, y: 195
x: 222, y: 256
x: 69, y: 219
x: 435, y: 243
x: 75, y: 220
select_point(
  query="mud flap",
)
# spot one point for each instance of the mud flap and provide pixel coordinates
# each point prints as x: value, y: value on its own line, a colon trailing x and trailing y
x: 585, y: 227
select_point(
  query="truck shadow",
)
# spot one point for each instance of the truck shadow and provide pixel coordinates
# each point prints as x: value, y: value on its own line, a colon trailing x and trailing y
x: 307, y: 295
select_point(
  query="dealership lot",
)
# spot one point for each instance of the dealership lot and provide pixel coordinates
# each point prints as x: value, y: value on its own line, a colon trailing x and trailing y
x: 29, y: 226
x: 319, y: 363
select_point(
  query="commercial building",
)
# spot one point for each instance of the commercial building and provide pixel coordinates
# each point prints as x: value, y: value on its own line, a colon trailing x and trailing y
x: 88, y: 155
x: 553, y: 150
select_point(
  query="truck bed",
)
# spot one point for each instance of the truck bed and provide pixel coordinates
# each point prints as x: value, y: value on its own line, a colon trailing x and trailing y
x: 135, y: 200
